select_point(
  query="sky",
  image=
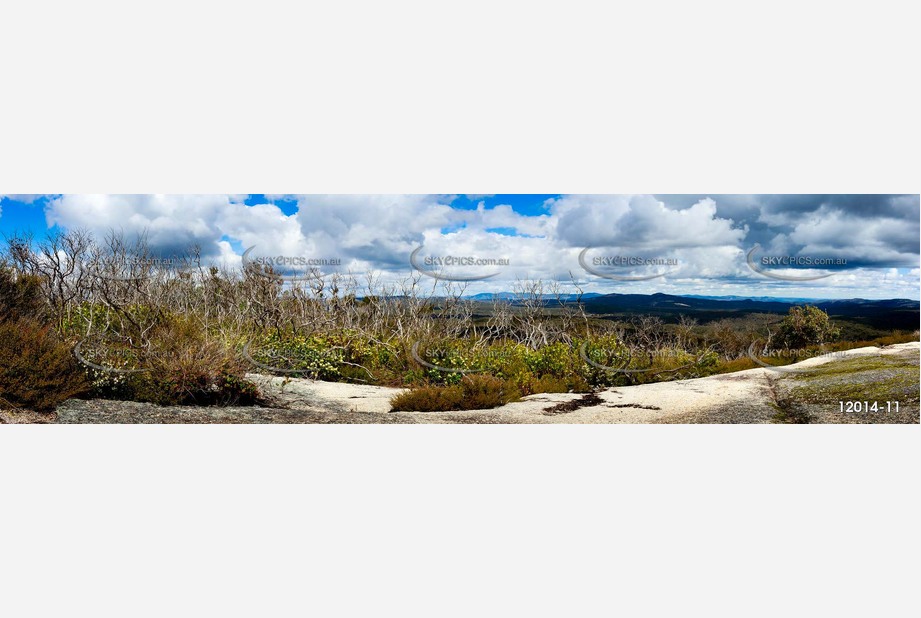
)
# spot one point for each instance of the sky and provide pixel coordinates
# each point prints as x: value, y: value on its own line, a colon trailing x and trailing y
x: 674, y: 244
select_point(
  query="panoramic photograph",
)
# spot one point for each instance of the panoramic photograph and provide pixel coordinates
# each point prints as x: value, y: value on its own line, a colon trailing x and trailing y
x: 459, y: 308
x: 686, y: 384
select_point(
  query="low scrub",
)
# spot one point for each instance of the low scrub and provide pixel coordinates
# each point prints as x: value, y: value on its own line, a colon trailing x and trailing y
x: 37, y: 370
x: 182, y: 365
x: 473, y: 392
x: 20, y: 297
x: 189, y: 333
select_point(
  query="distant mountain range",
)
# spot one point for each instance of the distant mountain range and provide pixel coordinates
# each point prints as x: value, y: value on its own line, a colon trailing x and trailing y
x: 896, y: 313
x: 486, y: 296
x: 782, y: 299
x: 900, y: 313
x: 664, y: 301
x: 660, y: 298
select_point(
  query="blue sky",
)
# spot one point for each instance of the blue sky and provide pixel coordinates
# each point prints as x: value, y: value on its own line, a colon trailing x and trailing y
x: 20, y: 213
x: 870, y: 243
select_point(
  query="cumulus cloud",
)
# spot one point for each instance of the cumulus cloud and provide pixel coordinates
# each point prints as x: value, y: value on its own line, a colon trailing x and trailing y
x: 25, y: 198
x: 876, y: 242
x: 641, y: 220
x: 172, y: 223
x: 707, y: 235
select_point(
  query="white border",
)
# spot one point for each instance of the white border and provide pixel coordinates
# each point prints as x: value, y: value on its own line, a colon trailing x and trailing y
x: 482, y: 97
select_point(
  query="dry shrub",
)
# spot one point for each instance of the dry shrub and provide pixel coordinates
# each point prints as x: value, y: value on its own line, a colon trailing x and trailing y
x: 885, y: 340
x: 429, y: 399
x: 37, y: 370
x: 740, y: 364
x: 180, y: 364
x: 185, y: 367
x: 20, y: 297
x: 482, y: 392
x: 474, y: 392
x: 550, y: 384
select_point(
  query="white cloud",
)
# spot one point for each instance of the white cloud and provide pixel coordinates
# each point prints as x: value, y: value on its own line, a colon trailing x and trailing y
x: 876, y: 241
x: 25, y: 198
x: 378, y: 232
x: 171, y: 222
x: 641, y: 220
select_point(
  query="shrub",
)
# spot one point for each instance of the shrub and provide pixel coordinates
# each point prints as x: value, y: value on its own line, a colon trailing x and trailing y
x: 546, y: 384
x: 607, y: 351
x: 730, y: 337
x: 189, y: 368
x: 37, y: 370
x: 473, y: 392
x: 314, y: 355
x: 182, y: 365
x: 482, y: 392
x: 431, y: 398
x: 20, y: 297
x: 334, y: 356
x: 555, y: 359
x: 806, y: 325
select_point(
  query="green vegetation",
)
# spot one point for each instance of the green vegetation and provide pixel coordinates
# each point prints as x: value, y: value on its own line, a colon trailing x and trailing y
x: 892, y: 380
x: 806, y: 325
x: 188, y: 333
x: 875, y: 379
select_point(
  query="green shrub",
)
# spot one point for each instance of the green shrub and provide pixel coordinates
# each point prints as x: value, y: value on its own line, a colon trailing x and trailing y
x: 806, y: 325
x: 555, y: 359
x: 333, y: 356
x: 312, y: 354
x: 607, y: 351
x: 37, y: 369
